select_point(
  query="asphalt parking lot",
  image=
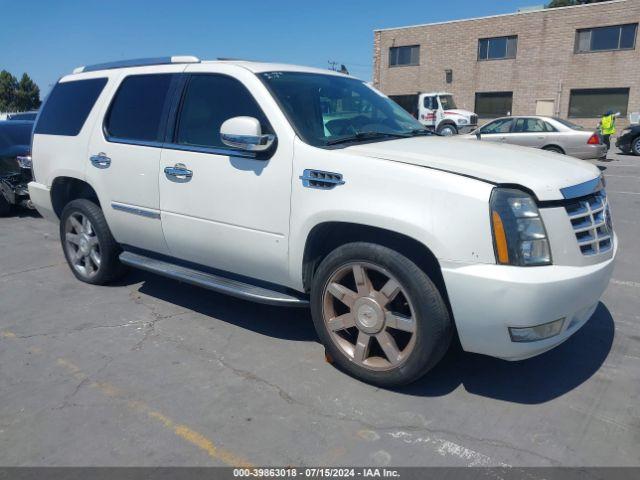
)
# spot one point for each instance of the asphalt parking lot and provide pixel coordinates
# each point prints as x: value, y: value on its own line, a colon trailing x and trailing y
x: 152, y: 372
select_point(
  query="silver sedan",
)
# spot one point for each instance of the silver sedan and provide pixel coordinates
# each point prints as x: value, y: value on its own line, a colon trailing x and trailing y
x: 547, y: 133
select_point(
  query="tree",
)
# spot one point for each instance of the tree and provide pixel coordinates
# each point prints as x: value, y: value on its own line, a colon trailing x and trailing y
x: 27, y: 95
x: 8, y: 87
x: 570, y: 3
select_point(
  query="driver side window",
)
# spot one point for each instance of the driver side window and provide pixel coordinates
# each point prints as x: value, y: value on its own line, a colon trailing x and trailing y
x: 502, y: 125
x: 430, y: 103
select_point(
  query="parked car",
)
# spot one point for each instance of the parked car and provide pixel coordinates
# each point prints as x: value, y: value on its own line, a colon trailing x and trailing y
x: 15, y: 164
x: 228, y: 175
x: 30, y: 116
x: 548, y: 133
x: 629, y: 140
x: 438, y: 111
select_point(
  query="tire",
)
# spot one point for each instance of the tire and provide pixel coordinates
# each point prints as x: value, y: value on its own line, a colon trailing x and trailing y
x: 447, y: 130
x: 5, y: 207
x: 93, y: 253
x: 356, y: 338
x: 635, y: 146
x: 553, y: 148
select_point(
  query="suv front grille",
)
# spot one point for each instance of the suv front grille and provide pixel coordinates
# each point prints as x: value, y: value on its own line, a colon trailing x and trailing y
x: 591, y: 221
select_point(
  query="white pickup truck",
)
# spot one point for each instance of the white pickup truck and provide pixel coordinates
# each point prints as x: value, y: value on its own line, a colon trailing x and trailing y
x: 296, y: 186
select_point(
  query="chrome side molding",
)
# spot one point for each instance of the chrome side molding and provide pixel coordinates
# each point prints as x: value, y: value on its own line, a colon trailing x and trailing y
x: 212, y: 282
x: 136, y: 210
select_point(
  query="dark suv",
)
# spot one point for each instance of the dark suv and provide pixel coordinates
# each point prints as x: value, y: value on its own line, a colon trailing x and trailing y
x: 629, y: 141
x: 15, y: 164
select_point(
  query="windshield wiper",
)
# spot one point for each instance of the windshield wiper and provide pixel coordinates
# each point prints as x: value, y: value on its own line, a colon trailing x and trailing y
x: 365, y: 136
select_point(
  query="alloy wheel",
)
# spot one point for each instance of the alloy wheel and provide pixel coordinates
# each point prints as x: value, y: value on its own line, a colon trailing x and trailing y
x: 82, y: 245
x: 369, y: 316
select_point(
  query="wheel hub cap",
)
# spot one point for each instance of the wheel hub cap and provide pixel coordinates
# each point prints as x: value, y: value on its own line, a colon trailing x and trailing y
x: 84, y: 244
x: 369, y: 315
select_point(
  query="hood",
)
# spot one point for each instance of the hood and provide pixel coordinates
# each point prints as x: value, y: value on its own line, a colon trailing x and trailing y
x: 458, y: 111
x: 544, y: 173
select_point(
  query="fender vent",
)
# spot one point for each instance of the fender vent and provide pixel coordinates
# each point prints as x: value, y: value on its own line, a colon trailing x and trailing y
x: 320, y: 179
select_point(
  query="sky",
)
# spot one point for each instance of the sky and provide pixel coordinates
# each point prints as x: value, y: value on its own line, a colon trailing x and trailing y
x: 48, y: 39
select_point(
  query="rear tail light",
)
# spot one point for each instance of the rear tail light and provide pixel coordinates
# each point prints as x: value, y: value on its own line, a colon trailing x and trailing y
x: 594, y: 139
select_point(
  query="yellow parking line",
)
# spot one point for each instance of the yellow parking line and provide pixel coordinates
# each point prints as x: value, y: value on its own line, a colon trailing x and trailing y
x: 184, y: 432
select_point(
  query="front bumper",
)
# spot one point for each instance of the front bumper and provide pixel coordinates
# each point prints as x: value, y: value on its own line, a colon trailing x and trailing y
x: 488, y: 299
x: 624, y: 141
x: 462, y: 129
x: 41, y: 199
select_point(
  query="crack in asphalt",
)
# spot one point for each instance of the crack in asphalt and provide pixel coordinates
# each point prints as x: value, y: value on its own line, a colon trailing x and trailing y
x: 32, y: 269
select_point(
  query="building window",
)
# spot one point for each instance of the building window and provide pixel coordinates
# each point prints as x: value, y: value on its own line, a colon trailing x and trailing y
x: 402, y: 56
x: 448, y: 75
x: 493, y: 104
x: 497, y: 48
x: 594, y: 102
x: 616, y: 37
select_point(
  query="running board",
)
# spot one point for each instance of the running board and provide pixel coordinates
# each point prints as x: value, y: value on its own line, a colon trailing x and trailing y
x: 213, y: 282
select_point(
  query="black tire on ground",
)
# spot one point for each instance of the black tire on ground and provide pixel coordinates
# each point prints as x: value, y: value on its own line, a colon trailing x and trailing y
x: 5, y: 207
x: 110, y: 268
x: 635, y: 146
x: 434, y: 327
x: 553, y: 148
x: 452, y: 128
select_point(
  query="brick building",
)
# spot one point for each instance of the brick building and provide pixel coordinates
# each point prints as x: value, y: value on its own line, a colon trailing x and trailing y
x: 572, y: 62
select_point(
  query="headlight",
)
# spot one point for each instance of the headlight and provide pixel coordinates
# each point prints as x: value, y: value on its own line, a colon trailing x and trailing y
x: 519, y: 236
x: 462, y: 121
x: 24, y: 161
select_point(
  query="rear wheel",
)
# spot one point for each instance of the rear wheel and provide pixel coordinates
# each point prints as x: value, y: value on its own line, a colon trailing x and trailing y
x: 378, y: 314
x: 635, y: 146
x: 5, y: 207
x: 90, y: 249
x: 553, y: 148
x: 447, y: 130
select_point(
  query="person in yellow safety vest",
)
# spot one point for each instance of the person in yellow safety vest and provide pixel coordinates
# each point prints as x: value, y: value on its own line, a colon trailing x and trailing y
x: 608, y: 127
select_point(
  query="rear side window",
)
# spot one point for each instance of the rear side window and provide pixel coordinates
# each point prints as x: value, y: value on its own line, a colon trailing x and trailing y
x: 68, y: 106
x: 208, y: 102
x: 139, y: 109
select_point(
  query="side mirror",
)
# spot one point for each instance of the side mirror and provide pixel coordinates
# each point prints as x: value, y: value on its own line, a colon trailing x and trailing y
x: 478, y: 134
x: 245, y: 133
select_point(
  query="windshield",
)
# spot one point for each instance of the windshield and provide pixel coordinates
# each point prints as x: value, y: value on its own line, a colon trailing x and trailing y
x: 326, y: 109
x: 447, y: 102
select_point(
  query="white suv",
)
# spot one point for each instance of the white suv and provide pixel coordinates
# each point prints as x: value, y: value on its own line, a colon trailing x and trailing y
x: 295, y: 186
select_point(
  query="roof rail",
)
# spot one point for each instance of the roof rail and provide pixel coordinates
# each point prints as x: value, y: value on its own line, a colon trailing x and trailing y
x: 138, y: 62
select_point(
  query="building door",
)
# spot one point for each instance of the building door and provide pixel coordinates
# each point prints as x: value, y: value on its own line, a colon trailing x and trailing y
x: 545, y: 108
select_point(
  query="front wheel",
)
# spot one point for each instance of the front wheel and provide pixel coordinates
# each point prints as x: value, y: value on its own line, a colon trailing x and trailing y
x: 447, y: 130
x: 379, y: 315
x: 90, y: 249
x: 635, y: 146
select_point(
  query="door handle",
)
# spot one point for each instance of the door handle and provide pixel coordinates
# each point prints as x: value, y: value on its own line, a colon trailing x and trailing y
x: 179, y: 170
x: 100, y: 160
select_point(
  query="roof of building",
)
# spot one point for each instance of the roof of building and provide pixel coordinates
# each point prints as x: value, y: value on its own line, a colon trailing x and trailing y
x: 522, y: 12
